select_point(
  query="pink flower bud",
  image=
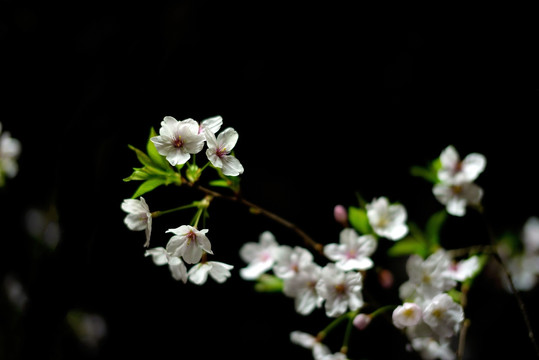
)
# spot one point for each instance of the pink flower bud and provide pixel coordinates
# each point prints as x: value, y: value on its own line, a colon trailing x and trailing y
x: 340, y: 214
x: 361, y: 321
x: 385, y: 277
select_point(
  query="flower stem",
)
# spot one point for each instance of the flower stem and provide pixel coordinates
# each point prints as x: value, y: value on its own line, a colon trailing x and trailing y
x: 322, y: 334
x: 346, y: 340
x: 163, y: 212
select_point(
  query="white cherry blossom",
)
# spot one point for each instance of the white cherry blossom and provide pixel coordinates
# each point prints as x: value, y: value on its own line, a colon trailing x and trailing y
x: 406, y: 315
x: 219, y: 149
x: 10, y: 150
x: 289, y: 261
x: 260, y: 256
x: 443, y: 315
x: 353, y: 251
x: 530, y: 235
x: 427, y: 278
x: 139, y: 216
x: 310, y: 342
x: 212, y: 124
x: 464, y: 269
x: 302, y: 287
x: 176, y: 266
x: 387, y: 220
x: 431, y: 349
x: 457, y: 196
x: 198, y: 274
x: 188, y: 243
x: 457, y: 171
x: 177, y: 140
x: 340, y: 290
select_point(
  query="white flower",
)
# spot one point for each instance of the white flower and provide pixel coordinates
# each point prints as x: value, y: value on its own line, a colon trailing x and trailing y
x: 407, y: 314
x: 177, y: 140
x: 288, y: 261
x: 455, y: 171
x: 219, y: 149
x: 10, y: 150
x: 213, y: 124
x: 310, y: 342
x: 430, y: 349
x: 427, y: 278
x: 176, y: 266
x: 387, y: 220
x: 464, y: 269
x: 457, y: 197
x: 189, y: 243
x: 219, y: 271
x: 302, y: 287
x: 340, y: 290
x: 139, y: 216
x: 443, y: 315
x: 524, y: 269
x: 353, y: 251
x: 259, y: 256
x: 530, y: 235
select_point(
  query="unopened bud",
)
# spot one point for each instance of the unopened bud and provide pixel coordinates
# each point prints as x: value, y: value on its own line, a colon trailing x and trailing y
x: 385, y: 277
x: 361, y: 321
x: 340, y: 214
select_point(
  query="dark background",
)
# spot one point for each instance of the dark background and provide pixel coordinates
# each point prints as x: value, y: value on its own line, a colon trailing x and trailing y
x: 329, y: 100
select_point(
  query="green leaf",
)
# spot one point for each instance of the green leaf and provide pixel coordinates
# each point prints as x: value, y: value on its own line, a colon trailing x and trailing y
x: 159, y: 160
x: 148, y: 185
x: 269, y: 283
x: 219, y: 183
x: 142, y: 157
x: 359, y: 220
x: 138, y: 174
x: 433, y: 227
x: 407, y: 246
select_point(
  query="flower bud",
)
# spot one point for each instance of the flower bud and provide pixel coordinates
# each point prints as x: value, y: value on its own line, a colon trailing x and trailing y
x: 340, y: 214
x: 385, y: 278
x: 361, y: 321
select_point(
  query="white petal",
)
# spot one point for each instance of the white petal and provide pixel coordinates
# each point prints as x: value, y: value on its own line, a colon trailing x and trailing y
x: 228, y: 138
x: 231, y: 166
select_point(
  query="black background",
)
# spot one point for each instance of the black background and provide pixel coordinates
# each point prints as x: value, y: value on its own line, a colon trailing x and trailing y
x: 328, y: 100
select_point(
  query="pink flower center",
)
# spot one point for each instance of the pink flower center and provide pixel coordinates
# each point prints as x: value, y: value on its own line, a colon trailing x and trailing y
x: 177, y: 142
x: 191, y: 236
x: 221, y: 152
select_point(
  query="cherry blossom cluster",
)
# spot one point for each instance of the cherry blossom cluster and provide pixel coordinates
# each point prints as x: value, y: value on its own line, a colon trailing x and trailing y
x: 431, y: 311
x: 176, y: 143
x: 10, y: 149
x: 429, y: 316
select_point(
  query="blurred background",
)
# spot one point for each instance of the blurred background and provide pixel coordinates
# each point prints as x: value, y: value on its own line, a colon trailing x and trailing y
x: 329, y: 100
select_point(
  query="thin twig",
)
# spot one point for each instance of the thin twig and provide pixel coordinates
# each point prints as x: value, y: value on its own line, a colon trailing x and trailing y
x: 260, y: 210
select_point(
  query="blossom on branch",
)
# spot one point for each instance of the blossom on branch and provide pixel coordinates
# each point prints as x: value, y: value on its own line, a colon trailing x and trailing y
x: 188, y: 243
x: 387, y: 220
x: 177, y: 140
x: 139, y: 217
x: 457, y: 171
x: 340, y: 290
x: 302, y: 287
x: 213, y: 124
x: 259, y: 256
x: 10, y: 150
x: 198, y: 274
x: 219, y: 149
x: 176, y: 266
x: 353, y: 251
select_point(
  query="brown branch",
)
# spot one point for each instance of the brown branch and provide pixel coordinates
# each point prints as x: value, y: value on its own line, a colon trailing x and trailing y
x: 260, y: 210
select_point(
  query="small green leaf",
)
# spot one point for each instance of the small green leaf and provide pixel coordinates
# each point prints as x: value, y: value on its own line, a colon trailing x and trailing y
x: 148, y: 185
x: 433, y: 227
x: 159, y: 160
x: 359, y: 220
x: 269, y: 283
x: 138, y: 174
x: 142, y: 157
x: 407, y: 246
x: 220, y: 183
